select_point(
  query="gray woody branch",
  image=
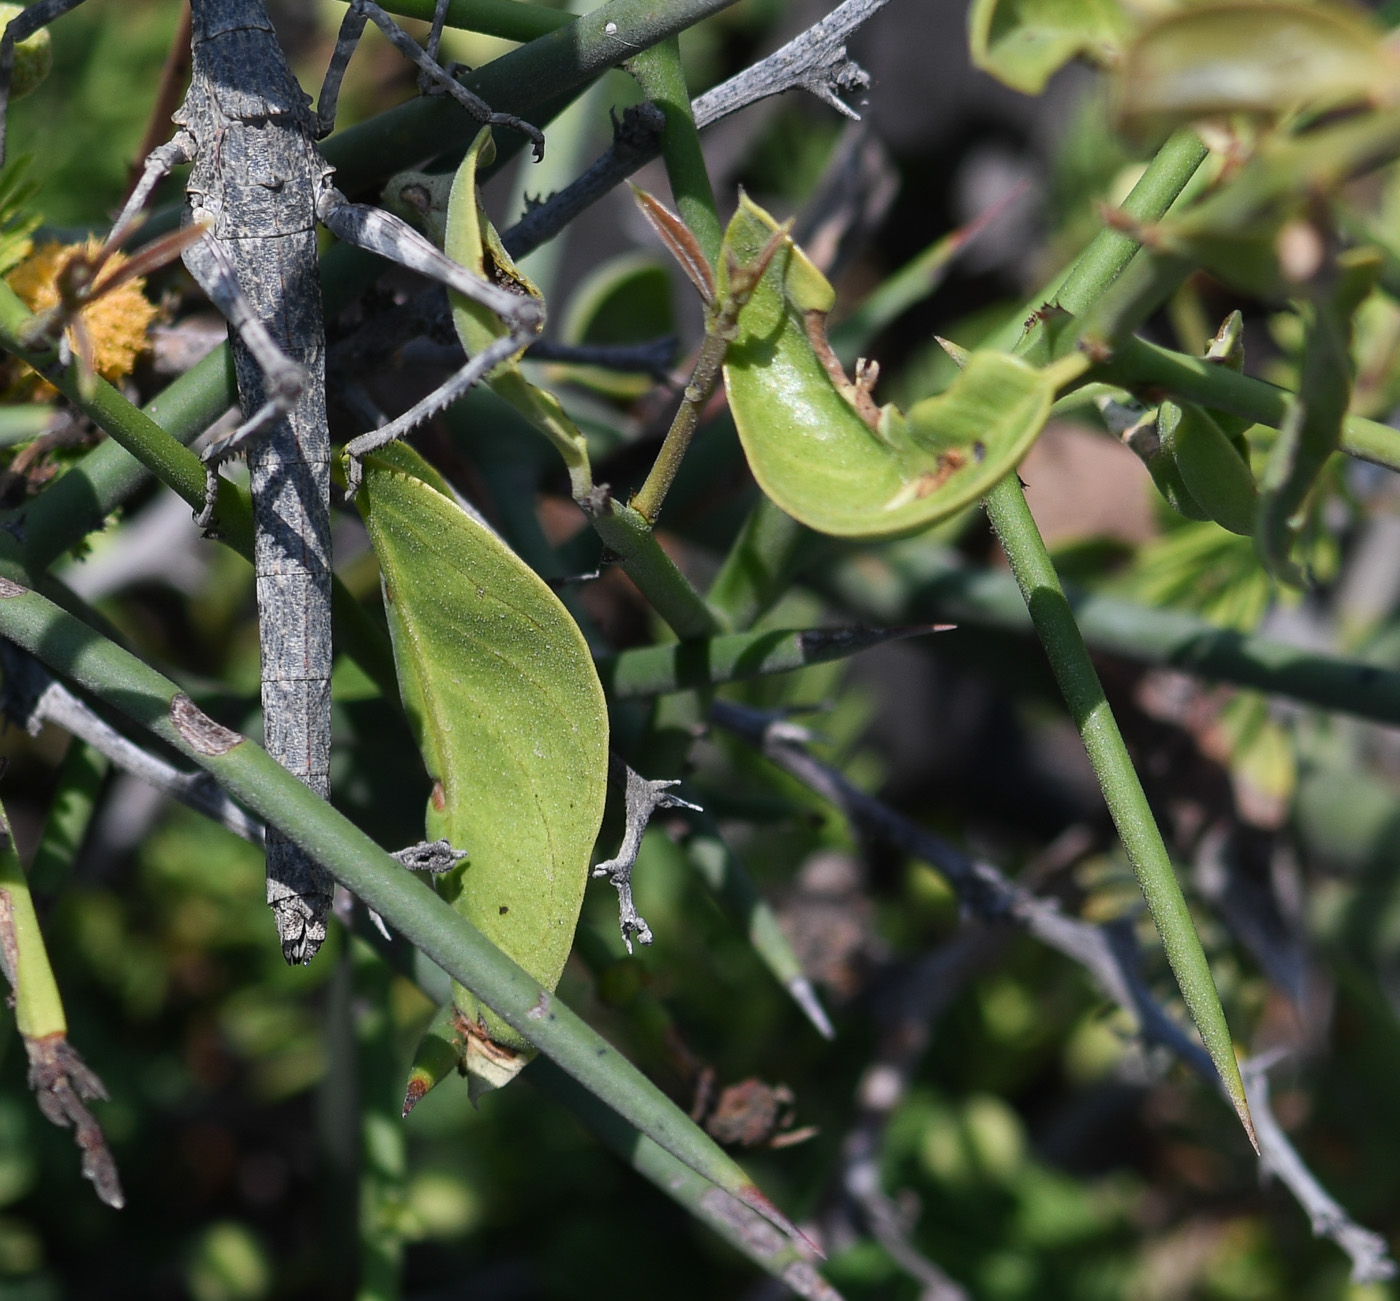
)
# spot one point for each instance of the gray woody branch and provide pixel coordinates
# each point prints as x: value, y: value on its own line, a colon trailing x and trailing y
x: 815, y: 61
x: 32, y: 698
x: 1109, y: 953
x: 1370, y: 1257
x: 643, y: 798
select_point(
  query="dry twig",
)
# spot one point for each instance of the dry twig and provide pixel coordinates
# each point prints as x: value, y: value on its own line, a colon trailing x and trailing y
x: 1109, y: 953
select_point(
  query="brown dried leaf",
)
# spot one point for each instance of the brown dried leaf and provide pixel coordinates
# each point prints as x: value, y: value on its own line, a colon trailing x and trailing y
x: 675, y: 234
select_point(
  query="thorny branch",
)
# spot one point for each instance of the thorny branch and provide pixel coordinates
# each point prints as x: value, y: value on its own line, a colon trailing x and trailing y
x: 1109, y: 953
x: 32, y: 698
x: 1370, y: 1258
x: 643, y: 798
x: 814, y: 61
x: 636, y: 141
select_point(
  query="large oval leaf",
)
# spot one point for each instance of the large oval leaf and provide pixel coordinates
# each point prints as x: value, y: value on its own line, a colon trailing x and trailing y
x: 1245, y: 57
x: 501, y: 690
x: 815, y: 441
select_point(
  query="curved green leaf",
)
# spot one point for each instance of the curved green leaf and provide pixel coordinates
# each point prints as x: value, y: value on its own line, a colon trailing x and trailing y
x: 471, y: 241
x: 501, y: 690
x: 625, y: 300
x: 1211, y: 471
x: 1022, y: 42
x: 816, y: 442
x: 1245, y: 57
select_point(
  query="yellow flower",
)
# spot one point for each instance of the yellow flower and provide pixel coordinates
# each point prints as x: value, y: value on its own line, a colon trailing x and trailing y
x: 117, y: 321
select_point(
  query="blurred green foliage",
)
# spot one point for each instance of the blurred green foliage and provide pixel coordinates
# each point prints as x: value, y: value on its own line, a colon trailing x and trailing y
x: 1038, y: 1153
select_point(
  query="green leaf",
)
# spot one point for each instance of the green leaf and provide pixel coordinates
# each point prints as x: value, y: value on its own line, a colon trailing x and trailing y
x: 501, y: 690
x: 625, y: 300
x: 1245, y: 57
x: 1312, y: 429
x: 1023, y: 42
x: 1216, y: 478
x: 471, y: 241
x: 815, y: 441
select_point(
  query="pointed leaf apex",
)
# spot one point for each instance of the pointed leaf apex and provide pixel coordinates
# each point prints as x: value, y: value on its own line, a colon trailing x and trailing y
x: 684, y: 247
x: 417, y: 1090
x: 1239, y: 1100
x: 800, y: 988
x: 957, y: 352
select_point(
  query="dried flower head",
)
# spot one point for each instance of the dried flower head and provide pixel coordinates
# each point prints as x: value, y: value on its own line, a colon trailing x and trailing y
x: 117, y: 321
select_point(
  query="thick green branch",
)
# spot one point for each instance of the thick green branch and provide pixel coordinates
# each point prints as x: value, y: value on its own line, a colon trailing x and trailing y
x: 256, y: 780
x: 533, y: 75
x: 1156, y: 372
x: 1103, y: 262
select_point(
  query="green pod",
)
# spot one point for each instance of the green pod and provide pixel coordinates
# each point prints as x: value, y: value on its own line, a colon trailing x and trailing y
x: 1209, y: 466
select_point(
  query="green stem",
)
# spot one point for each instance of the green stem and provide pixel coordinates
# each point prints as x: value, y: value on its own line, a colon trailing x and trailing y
x: 916, y: 582
x: 36, y: 1000
x: 683, y: 666
x: 1079, y: 683
x: 659, y: 73
x: 1111, y: 250
x: 508, y: 19
x: 80, y: 777
x: 648, y: 499
x: 760, y: 565
x: 175, y: 465
x: 548, y: 67
x: 733, y: 888
x: 257, y: 781
x: 1107, y: 257
x: 79, y: 501
x: 1157, y: 371
x: 669, y: 591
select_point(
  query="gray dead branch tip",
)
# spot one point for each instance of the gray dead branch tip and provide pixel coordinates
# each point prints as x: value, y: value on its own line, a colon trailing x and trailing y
x: 643, y: 798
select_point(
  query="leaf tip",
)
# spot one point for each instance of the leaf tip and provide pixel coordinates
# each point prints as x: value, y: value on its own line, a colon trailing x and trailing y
x: 683, y: 245
x: 800, y: 988
x: 417, y: 1090
x: 1240, y: 1103
x: 958, y: 353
